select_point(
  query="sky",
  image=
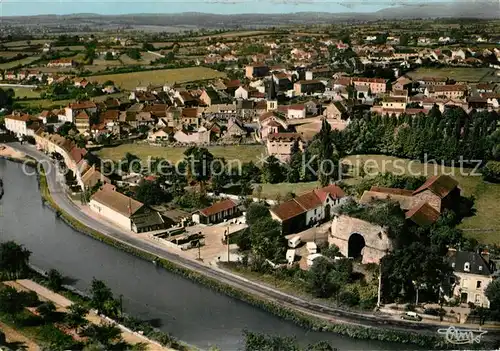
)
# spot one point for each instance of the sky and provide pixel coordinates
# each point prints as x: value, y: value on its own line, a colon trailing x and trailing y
x: 111, y: 7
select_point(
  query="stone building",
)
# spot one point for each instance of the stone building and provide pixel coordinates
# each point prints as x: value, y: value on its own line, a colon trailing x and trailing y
x: 357, y: 238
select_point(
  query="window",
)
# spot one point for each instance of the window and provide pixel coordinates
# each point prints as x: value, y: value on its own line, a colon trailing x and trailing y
x: 467, y: 267
x: 480, y: 268
x: 478, y: 284
x: 453, y: 265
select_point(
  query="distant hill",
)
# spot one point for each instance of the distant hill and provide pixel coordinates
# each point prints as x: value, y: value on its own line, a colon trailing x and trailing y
x: 484, y: 9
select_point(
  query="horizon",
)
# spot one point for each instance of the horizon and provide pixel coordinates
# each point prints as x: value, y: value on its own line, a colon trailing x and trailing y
x: 15, y: 8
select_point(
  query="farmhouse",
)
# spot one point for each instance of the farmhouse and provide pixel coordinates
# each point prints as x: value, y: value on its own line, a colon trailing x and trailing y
x: 219, y: 211
x: 125, y: 211
x: 61, y: 63
x: 308, y: 209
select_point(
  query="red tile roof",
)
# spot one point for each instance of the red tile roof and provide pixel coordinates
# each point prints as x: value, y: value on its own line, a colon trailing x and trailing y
x: 423, y: 214
x: 218, y: 207
x: 82, y: 115
x: 369, y: 80
x: 440, y: 185
x: 82, y: 105
x: 309, y: 201
x: 287, y: 210
x: 334, y: 190
x: 286, y: 136
x: 394, y: 191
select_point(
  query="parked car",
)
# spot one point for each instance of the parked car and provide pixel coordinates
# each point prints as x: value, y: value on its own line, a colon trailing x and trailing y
x: 411, y: 316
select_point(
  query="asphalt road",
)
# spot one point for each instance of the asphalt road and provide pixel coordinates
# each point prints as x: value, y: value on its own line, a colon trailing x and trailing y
x: 320, y: 311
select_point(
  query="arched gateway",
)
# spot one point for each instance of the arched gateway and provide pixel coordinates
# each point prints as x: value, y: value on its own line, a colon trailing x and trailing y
x: 355, y: 246
x: 359, y: 239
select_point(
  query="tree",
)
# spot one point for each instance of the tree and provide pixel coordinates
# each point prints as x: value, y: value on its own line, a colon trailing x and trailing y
x: 272, y: 171
x: 11, y: 302
x: 492, y: 292
x: 262, y: 342
x: 66, y: 128
x: 47, y: 311
x: 327, y: 159
x: 130, y: 163
x: 105, y: 335
x: 256, y: 212
x: 75, y: 318
x: 99, y: 294
x: 326, y: 277
x: 14, y: 260
x: 150, y: 193
x: 267, y: 241
x: 199, y: 163
x: 55, y: 280
x: 491, y: 171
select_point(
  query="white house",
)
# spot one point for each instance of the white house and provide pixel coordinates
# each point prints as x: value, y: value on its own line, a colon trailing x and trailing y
x: 22, y: 124
x: 308, y: 209
x: 472, y: 272
x: 124, y: 211
x: 241, y: 93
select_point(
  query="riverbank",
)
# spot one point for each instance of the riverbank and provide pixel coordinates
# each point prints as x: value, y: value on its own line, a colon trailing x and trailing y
x: 317, y: 320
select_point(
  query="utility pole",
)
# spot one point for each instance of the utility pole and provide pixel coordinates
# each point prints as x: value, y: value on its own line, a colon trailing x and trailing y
x: 227, y: 241
x: 379, y: 284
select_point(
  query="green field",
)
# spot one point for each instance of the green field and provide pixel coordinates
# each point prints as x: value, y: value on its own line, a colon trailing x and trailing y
x: 46, y: 103
x: 457, y: 73
x: 26, y: 92
x: 130, y: 81
x: 484, y: 226
x: 25, y: 42
x: 273, y: 191
x: 244, y: 153
x: 23, y: 62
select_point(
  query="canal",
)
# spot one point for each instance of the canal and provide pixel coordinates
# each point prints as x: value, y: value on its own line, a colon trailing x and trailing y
x: 189, y: 311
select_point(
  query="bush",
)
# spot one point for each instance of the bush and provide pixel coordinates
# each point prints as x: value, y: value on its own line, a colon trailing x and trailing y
x: 410, y: 307
x: 349, y: 298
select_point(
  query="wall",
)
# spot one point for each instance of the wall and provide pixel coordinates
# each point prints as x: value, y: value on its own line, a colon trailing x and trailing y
x: 376, y: 239
x: 467, y: 283
x: 110, y: 214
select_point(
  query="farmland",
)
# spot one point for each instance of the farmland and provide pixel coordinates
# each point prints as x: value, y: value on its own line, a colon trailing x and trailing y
x: 129, y: 81
x: 459, y: 74
x: 26, y: 92
x: 23, y: 62
x: 236, y: 152
x: 47, y: 103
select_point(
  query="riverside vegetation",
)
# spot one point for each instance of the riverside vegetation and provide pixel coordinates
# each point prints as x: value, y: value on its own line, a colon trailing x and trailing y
x: 299, y: 318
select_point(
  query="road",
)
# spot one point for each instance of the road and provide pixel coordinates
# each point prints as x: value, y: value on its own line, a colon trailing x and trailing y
x: 324, y: 312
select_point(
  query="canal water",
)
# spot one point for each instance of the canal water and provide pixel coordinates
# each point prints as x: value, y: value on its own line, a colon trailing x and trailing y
x: 189, y: 311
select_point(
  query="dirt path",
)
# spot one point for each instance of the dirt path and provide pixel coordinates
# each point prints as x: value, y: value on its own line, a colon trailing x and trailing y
x: 14, y: 336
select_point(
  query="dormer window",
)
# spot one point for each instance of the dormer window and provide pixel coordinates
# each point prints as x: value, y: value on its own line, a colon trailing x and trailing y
x: 467, y: 267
